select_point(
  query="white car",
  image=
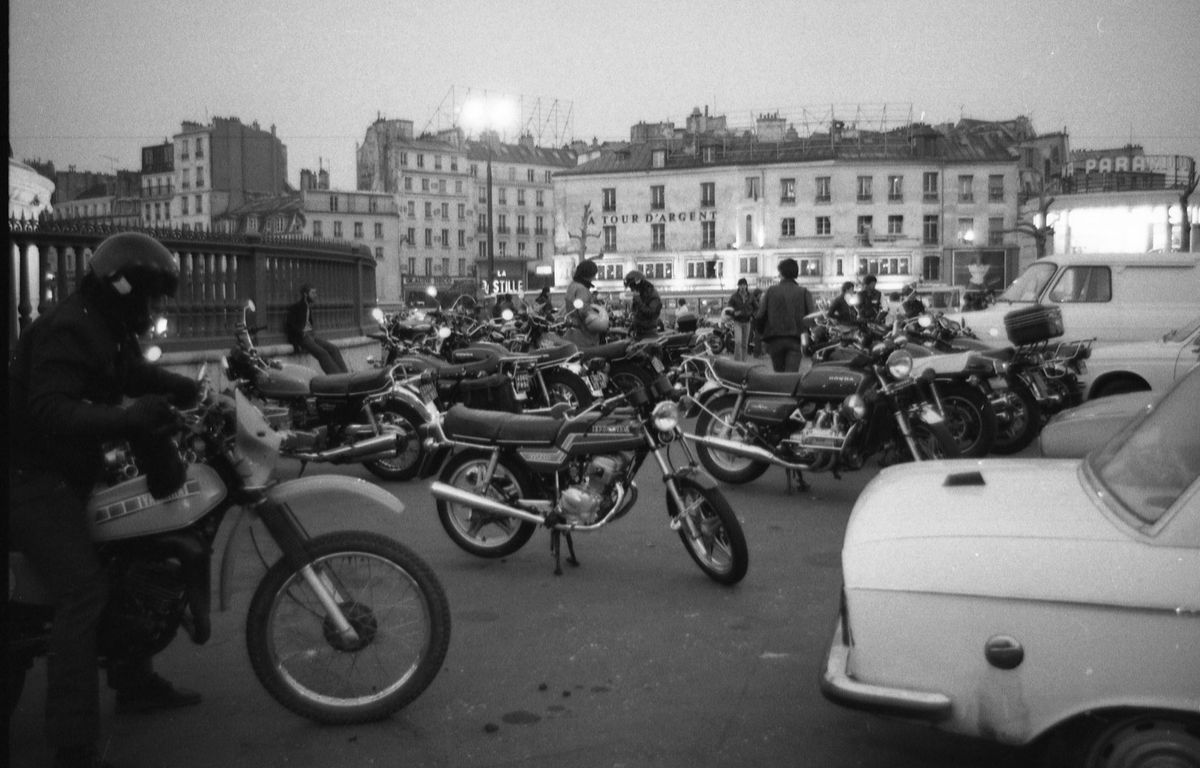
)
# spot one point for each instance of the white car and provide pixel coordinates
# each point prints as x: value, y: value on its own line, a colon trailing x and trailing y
x: 1143, y: 365
x: 1017, y: 599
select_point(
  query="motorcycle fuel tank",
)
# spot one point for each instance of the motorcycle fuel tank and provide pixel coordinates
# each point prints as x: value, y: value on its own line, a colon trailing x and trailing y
x: 831, y: 382
x: 287, y: 381
x: 127, y: 510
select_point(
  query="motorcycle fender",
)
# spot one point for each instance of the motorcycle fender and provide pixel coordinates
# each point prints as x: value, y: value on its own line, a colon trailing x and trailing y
x: 707, y: 392
x: 319, y: 503
x: 690, y: 476
x: 404, y: 396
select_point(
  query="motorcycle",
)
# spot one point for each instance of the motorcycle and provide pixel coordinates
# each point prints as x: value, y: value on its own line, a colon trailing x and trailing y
x: 831, y: 418
x: 503, y: 476
x: 368, y: 417
x: 344, y: 627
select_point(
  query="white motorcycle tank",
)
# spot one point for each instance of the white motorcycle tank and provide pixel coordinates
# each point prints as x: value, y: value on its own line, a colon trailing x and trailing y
x: 127, y: 510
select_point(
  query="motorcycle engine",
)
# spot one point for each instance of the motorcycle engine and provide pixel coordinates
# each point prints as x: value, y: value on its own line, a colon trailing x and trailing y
x: 583, y: 502
x: 821, y: 439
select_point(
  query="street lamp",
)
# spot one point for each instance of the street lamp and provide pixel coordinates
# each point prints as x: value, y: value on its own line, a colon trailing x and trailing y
x: 486, y: 116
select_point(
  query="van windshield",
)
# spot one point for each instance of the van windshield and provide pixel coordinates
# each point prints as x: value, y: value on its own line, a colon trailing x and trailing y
x: 1028, y: 287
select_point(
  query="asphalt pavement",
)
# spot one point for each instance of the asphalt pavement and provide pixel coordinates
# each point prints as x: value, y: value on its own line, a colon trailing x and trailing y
x: 635, y: 658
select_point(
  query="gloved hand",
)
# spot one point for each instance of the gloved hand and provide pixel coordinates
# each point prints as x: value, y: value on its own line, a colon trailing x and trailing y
x: 150, y: 416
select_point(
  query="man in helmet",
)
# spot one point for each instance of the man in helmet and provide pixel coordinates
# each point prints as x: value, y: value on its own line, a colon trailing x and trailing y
x: 72, y: 368
x: 646, y: 306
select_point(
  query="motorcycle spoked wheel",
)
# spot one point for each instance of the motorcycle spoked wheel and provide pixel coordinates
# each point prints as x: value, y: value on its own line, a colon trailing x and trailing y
x: 628, y: 377
x: 1023, y: 423
x: 718, y: 420
x: 720, y: 549
x: 484, y: 534
x: 394, y: 602
x: 565, y: 387
x: 934, y: 442
x: 969, y: 417
x: 405, y: 466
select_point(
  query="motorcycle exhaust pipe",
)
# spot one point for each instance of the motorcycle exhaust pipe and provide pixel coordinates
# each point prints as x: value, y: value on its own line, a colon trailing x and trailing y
x: 382, y: 446
x: 447, y: 492
x: 744, y: 451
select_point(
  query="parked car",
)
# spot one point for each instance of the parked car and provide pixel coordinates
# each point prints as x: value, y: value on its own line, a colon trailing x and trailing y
x: 1143, y: 365
x: 1050, y: 603
x: 1076, y: 432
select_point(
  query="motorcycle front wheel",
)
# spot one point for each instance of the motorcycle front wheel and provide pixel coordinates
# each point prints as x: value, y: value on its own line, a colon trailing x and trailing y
x: 483, y: 533
x: 718, y: 544
x: 720, y: 420
x: 394, y: 417
x: 969, y: 417
x: 1021, y: 421
x: 934, y: 441
x: 394, y: 603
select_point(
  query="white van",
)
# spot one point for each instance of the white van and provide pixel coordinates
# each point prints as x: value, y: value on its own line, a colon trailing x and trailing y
x: 1109, y: 297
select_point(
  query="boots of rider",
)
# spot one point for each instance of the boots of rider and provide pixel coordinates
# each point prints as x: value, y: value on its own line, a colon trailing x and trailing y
x: 140, y: 689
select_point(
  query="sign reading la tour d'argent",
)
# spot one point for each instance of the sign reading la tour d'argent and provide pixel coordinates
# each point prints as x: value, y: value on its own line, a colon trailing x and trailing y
x: 655, y: 217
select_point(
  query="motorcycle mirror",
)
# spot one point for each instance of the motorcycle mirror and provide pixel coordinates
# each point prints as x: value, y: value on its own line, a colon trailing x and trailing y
x: 444, y: 332
x: 153, y: 353
x: 377, y: 314
x: 506, y: 315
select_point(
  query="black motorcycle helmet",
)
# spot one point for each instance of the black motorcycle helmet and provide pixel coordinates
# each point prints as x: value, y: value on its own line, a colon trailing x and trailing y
x: 141, y: 271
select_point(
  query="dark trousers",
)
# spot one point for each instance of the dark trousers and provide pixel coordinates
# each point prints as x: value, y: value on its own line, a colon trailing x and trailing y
x: 786, y: 353
x: 47, y: 522
x: 328, y: 356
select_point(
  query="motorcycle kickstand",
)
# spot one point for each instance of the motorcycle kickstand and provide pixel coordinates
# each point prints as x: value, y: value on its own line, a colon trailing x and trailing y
x: 800, y: 484
x: 556, y: 537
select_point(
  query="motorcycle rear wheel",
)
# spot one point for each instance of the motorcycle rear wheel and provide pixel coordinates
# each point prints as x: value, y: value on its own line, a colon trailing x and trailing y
x: 566, y: 387
x: 719, y: 420
x: 720, y: 548
x: 1022, y: 423
x: 627, y: 376
x: 969, y: 417
x: 484, y: 534
x: 405, y: 466
x: 394, y: 602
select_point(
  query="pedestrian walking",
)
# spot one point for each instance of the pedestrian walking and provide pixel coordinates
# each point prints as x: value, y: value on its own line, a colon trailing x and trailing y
x: 781, y: 318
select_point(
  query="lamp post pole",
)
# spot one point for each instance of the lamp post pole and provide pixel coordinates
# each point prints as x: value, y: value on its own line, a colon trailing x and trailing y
x: 491, y: 253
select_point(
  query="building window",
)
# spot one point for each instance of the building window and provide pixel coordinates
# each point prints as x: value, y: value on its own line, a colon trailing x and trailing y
x: 521, y: 250
x: 503, y: 244
x: 610, y: 198
x: 521, y: 195
x: 704, y: 269
x: 931, y: 267
x: 199, y: 204
x: 483, y: 194
x: 408, y: 183
x: 421, y: 164
x: 708, y: 154
x: 379, y: 253
x: 199, y: 178
x: 788, y: 227
x: 337, y: 229
x: 521, y: 228
x: 883, y: 265
x: 996, y: 230
x: 483, y: 253
x: 610, y: 238
x: 823, y: 189
x: 428, y: 237
x: 748, y: 265
x: 462, y: 240
x: 445, y: 238
x: 445, y: 210
x: 358, y: 230
x: 462, y: 211
x: 412, y: 265
x: 708, y: 194
x: 787, y: 190
x: 749, y: 229
x: 539, y: 225
x: 411, y: 237
x: 610, y: 271
x: 441, y: 186
x: 186, y: 177
x: 334, y: 203
x: 708, y: 234
x: 404, y: 158
x: 462, y: 266
x: 864, y: 189
x: 865, y: 224
x: 996, y: 188
x: 317, y: 231
x: 428, y: 266
x: 658, y: 158
x: 540, y: 199
x: 483, y: 225
x: 895, y: 189
x: 512, y: 173
x: 474, y: 170
x: 503, y: 199
x: 424, y: 185
x: 966, y: 188
x: 929, y: 229
x: 895, y: 225
x: 541, y: 250
x: 929, y: 187
x: 453, y: 163
x: 183, y: 206
x: 412, y: 209
x: 824, y: 225
x: 658, y: 237
x: 548, y: 177
x: 658, y: 197
x: 428, y: 210
x: 502, y: 224
x: 445, y: 266
x: 458, y: 186
x: 966, y: 231
x: 529, y: 175
x: 752, y: 190
x: 657, y: 270
x: 199, y: 147
x: 437, y: 162
x: 373, y: 205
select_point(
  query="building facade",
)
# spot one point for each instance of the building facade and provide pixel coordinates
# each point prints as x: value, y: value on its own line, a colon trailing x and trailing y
x: 697, y: 210
x: 439, y: 182
x: 158, y: 184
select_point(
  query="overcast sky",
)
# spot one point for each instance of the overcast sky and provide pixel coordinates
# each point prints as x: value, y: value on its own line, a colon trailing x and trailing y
x: 90, y: 83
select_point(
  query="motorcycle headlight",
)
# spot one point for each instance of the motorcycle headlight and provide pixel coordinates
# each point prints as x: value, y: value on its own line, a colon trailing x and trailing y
x: 900, y: 364
x: 855, y: 406
x: 665, y: 416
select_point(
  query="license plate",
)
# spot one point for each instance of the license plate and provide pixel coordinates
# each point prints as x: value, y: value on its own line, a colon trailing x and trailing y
x: 597, y: 381
x: 656, y: 364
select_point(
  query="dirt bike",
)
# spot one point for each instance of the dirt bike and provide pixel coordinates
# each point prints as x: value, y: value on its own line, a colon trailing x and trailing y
x: 503, y: 476
x: 368, y: 417
x: 345, y: 627
x: 831, y: 418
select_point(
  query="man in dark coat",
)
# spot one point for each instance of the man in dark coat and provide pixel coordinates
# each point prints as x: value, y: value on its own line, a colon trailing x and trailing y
x: 780, y: 318
x: 299, y: 329
x: 646, y: 307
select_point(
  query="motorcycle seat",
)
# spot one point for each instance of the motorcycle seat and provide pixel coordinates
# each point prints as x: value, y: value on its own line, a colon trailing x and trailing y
x: 351, y: 384
x: 497, y: 427
x: 732, y: 371
x: 447, y: 370
x: 612, y: 351
x: 761, y: 379
x: 553, y: 354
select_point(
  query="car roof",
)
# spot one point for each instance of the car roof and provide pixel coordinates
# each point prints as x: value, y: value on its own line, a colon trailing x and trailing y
x: 1145, y: 259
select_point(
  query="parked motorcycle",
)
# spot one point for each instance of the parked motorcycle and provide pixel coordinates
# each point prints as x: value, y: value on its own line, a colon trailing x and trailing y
x: 505, y: 475
x: 831, y: 418
x: 344, y: 627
